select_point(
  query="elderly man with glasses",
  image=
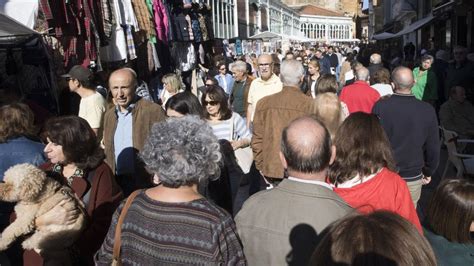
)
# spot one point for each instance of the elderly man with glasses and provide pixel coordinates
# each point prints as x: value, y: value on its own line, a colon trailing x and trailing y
x: 267, y: 84
x: 240, y: 91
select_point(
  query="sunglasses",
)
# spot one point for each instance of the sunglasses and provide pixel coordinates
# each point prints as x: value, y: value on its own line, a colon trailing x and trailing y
x: 212, y: 103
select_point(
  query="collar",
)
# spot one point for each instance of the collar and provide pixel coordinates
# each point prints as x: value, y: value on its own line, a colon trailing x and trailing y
x: 403, y: 94
x: 314, y: 182
x: 293, y: 88
x: 130, y: 107
x: 357, y: 180
x: 361, y: 82
x: 57, y: 168
x: 272, y: 79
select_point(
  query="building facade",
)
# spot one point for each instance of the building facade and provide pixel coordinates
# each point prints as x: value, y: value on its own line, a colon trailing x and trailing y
x: 245, y: 18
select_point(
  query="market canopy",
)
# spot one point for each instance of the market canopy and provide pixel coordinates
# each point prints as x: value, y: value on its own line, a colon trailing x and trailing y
x: 13, y: 32
x: 383, y: 36
x: 408, y: 29
x: 266, y: 35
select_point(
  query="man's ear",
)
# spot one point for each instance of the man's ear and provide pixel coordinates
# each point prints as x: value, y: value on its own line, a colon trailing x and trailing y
x: 283, y: 160
x: 333, y: 154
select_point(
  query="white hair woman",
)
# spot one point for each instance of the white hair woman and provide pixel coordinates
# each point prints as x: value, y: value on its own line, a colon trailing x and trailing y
x: 172, y: 223
x: 426, y: 84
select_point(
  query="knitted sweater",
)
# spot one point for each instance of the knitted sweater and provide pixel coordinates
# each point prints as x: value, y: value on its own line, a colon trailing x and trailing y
x: 412, y: 128
x: 161, y: 233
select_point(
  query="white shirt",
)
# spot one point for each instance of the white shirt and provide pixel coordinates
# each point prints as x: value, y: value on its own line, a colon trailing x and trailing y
x: 383, y: 89
x: 314, y: 182
x: 357, y: 180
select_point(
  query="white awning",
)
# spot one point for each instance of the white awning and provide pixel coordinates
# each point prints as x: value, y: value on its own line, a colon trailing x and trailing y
x: 383, y: 36
x: 410, y: 28
x: 266, y: 35
x: 415, y: 25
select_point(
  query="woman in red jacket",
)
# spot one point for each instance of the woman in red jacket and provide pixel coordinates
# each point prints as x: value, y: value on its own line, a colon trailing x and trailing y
x: 364, y: 172
x: 77, y: 160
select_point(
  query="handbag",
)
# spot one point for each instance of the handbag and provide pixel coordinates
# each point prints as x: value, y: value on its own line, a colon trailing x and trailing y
x: 117, y: 261
x: 244, y: 156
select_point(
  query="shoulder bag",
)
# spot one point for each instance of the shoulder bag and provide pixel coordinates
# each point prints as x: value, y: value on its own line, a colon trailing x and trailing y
x: 117, y: 261
x: 244, y: 156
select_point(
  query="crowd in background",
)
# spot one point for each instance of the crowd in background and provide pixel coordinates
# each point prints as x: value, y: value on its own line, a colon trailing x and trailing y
x: 332, y: 145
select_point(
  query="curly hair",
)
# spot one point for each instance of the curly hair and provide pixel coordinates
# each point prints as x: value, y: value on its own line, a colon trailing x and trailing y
x: 362, y: 148
x: 182, y: 159
x: 80, y: 144
x: 17, y: 120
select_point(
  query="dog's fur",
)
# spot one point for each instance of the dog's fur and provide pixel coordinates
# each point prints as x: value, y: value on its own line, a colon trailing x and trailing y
x: 36, y: 194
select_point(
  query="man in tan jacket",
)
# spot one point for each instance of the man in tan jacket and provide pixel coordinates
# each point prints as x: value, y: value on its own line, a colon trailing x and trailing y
x: 275, y: 112
x: 279, y: 226
x: 126, y: 127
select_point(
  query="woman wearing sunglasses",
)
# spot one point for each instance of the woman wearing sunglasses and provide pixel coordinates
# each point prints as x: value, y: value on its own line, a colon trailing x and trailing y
x: 226, y: 125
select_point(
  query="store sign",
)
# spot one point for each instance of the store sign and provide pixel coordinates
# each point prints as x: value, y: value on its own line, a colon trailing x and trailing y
x: 238, y: 47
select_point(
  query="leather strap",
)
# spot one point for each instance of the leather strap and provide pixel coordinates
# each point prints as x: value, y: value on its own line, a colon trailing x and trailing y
x: 118, y: 227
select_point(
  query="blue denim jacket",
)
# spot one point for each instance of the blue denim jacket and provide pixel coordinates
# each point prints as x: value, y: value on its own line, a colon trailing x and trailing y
x: 20, y: 150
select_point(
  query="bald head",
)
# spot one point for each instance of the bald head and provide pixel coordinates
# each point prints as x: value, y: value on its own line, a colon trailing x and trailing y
x: 362, y: 74
x: 403, y: 78
x: 375, y: 58
x: 122, y: 84
x: 306, y: 145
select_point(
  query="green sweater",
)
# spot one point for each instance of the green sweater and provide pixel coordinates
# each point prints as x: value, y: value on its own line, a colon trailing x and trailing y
x: 450, y: 253
x: 426, y: 87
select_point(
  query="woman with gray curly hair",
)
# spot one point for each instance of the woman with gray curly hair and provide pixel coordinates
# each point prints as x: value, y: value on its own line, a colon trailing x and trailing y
x: 172, y: 223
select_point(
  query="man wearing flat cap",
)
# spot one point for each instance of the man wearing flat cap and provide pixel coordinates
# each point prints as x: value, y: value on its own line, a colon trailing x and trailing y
x: 92, y: 106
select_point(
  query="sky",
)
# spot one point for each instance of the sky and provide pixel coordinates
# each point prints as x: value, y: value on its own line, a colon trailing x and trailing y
x: 365, y: 4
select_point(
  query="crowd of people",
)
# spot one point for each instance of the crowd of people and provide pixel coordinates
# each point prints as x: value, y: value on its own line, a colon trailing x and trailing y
x: 339, y: 151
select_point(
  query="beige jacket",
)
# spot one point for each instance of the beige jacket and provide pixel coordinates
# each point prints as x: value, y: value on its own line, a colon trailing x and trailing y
x: 281, y: 224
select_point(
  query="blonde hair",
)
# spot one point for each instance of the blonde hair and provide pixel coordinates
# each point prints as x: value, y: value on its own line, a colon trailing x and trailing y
x: 173, y: 81
x: 327, y: 107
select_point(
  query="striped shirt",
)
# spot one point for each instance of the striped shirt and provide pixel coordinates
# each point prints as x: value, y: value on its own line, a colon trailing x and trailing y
x: 162, y: 233
x: 222, y: 128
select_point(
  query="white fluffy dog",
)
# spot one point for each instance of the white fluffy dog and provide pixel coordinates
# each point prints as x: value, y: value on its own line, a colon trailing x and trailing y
x: 35, y: 194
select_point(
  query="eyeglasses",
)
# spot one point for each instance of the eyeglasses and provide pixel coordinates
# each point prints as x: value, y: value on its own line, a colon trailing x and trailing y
x: 223, y: 68
x: 208, y: 85
x: 265, y: 65
x: 212, y: 103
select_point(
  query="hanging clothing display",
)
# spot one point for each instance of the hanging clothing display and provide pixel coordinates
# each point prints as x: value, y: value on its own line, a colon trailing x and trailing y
x: 164, y: 34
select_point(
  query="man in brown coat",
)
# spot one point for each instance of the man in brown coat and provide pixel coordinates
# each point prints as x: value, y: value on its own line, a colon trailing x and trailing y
x: 126, y: 127
x: 272, y: 114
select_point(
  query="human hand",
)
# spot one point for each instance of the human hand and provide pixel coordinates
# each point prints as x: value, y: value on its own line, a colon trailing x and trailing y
x: 236, y: 144
x: 426, y: 180
x: 64, y: 213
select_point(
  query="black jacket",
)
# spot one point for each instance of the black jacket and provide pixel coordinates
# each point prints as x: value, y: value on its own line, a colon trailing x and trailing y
x: 412, y: 129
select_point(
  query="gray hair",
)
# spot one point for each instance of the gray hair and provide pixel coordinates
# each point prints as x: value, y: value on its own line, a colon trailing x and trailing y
x: 362, y: 74
x: 375, y: 58
x: 239, y: 65
x: 291, y: 72
x: 182, y: 151
x: 427, y: 57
